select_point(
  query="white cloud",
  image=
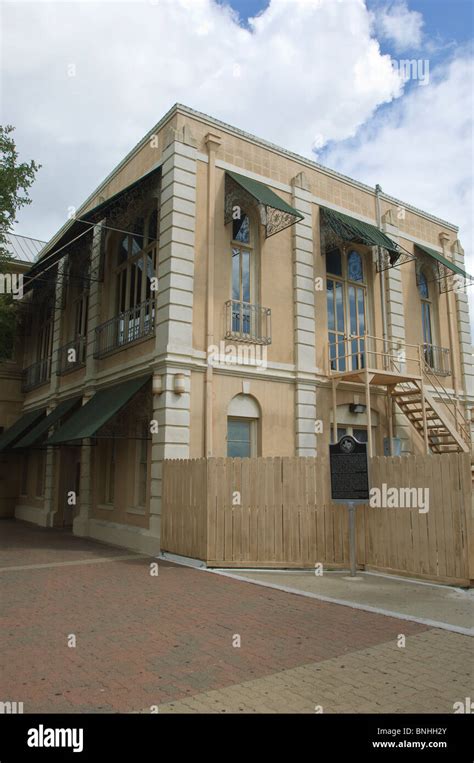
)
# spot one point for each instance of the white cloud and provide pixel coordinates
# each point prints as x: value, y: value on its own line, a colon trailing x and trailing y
x: 305, y: 68
x: 420, y: 150
x: 396, y: 23
x: 305, y: 73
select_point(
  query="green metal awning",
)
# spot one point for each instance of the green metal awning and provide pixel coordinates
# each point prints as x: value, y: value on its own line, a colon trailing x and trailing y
x: 87, y: 421
x: 443, y: 261
x: 349, y: 229
x: 42, y: 427
x: 275, y: 213
x: 20, y: 427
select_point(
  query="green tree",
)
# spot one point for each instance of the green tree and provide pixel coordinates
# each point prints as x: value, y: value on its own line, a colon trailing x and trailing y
x: 15, y: 180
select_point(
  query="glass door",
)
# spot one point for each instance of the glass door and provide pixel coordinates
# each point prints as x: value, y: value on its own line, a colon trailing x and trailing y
x: 336, y: 324
x: 346, y: 305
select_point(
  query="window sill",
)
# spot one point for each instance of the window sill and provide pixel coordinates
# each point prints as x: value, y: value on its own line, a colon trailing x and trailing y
x: 106, y: 506
x: 139, y: 510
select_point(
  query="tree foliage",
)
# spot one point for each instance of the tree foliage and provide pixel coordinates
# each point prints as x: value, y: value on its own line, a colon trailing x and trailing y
x: 16, y: 178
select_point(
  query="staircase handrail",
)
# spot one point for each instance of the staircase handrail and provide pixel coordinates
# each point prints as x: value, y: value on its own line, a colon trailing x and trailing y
x: 463, y: 426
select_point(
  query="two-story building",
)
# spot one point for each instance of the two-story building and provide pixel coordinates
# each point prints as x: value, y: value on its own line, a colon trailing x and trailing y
x: 22, y: 252
x: 218, y: 295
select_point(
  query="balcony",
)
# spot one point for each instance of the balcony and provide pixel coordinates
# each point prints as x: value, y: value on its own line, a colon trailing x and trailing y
x: 35, y: 375
x: 351, y: 354
x: 71, y: 356
x: 125, y: 328
x: 437, y: 359
x: 248, y: 323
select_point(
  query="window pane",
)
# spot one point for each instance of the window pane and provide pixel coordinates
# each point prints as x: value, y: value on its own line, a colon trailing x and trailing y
x: 360, y: 434
x: 426, y: 313
x: 153, y: 226
x: 352, y: 310
x: 241, y: 229
x: 236, y: 274
x: 330, y: 302
x: 238, y: 438
x: 122, y: 250
x: 246, y: 276
x: 423, y: 286
x: 138, y: 237
x: 334, y: 262
x: 239, y: 430
x: 238, y: 449
x: 332, y: 351
x: 354, y: 267
x: 341, y: 352
x: 131, y: 299
x: 123, y: 288
x: 339, y: 307
x: 341, y: 432
x: 361, y: 310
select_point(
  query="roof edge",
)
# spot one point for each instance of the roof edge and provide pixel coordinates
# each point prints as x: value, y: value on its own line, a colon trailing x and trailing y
x: 308, y: 162
x: 214, y: 122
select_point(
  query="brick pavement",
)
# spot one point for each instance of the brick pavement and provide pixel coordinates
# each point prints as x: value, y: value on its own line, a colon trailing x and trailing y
x: 169, y: 640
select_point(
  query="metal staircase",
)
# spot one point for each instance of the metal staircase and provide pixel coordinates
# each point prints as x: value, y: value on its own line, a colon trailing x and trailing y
x: 410, y: 380
x: 447, y: 429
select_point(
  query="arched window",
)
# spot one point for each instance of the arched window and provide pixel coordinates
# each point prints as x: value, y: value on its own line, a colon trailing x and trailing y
x: 242, y: 427
x: 244, y: 275
x: 346, y: 308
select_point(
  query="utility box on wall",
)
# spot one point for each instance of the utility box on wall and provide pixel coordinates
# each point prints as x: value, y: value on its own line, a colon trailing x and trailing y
x: 395, y: 450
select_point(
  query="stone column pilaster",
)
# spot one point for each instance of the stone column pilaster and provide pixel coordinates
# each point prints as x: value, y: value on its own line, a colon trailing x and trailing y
x: 174, y: 314
x: 396, y: 329
x: 304, y: 319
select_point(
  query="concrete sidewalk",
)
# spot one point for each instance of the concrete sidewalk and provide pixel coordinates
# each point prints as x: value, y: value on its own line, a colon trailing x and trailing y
x: 434, y: 605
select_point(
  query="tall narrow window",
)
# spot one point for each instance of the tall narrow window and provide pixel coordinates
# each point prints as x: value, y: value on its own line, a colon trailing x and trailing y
x: 44, y: 342
x: 426, y: 312
x: 135, y: 269
x: 243, y: 277
x: 346, y: 309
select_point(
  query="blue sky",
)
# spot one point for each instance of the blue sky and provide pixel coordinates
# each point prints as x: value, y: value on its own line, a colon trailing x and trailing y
x: 448, y: 19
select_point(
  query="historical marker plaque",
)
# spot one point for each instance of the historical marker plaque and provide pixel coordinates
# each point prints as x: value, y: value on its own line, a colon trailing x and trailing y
x: 349, y: 471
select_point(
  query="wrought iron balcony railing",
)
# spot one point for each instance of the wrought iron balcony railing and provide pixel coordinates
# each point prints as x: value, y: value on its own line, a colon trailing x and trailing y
x: 35, y: 375
x: 125, y: 328
x: 71, y: 356
x: 248, y: 323
x: 438, y: 359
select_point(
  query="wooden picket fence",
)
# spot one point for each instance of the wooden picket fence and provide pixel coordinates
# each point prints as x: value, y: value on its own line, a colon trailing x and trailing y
x: 277, y: 512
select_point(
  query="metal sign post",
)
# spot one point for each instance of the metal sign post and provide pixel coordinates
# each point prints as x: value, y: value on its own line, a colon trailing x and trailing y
x: 349, y: 482
x: 352, y: 537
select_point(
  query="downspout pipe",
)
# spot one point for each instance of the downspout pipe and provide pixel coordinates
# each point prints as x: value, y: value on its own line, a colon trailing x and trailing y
x: 212, y: 143
x: 383, y: 305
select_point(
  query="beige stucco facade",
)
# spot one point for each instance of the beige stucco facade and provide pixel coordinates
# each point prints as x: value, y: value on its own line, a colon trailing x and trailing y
x: 188, y: 396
